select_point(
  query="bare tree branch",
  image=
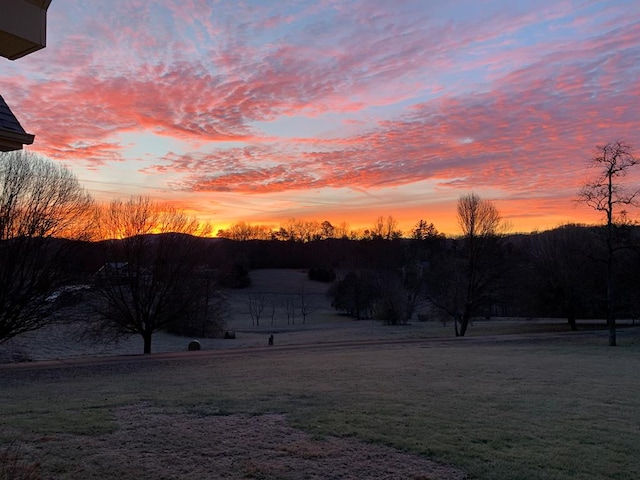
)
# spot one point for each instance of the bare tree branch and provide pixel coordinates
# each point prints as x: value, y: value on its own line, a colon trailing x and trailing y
x: 607, y: 194
x: 150, y: 279
x: 40, y: 201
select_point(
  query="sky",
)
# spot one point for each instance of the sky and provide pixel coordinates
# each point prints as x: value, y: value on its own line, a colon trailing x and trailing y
x: 339, y: 110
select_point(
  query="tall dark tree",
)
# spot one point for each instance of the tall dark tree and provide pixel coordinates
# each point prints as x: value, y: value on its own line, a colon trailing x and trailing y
x: 355, y: 294
x: 564, y: 272
x: 151, y: 278
x: 39, y: 202
x: 462, y: 280
x: 481, y: 223
x: 607, y: 194
x: 423, y: 231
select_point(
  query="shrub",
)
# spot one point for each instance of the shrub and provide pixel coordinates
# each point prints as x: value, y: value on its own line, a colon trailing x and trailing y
x: 238, y: 277
x: 321, y: 274
x: 354, y: 294
x: 390, y: 309
x: 206, y: 321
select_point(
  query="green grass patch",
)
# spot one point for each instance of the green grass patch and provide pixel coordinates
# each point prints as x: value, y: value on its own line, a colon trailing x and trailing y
x: 498, y: 410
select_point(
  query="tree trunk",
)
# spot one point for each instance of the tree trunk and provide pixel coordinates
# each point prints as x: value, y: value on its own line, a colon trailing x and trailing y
x: 147, y: 342
x: 464, y: 322
x: 611, y: 319
x: 463, y: 326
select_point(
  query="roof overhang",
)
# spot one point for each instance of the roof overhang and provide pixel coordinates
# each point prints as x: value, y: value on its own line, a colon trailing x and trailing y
x: 10, y: 141
x: 23, y: 27
x: 12, y: 135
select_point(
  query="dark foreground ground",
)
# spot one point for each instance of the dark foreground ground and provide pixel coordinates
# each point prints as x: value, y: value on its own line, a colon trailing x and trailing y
x: 354, y: 401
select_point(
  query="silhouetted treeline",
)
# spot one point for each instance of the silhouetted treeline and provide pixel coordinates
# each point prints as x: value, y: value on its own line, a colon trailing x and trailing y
x: 556, y: 273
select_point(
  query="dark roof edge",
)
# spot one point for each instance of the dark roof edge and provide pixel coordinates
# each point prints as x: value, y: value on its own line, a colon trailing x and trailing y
x: 12, y: 135
x: 23, y: 138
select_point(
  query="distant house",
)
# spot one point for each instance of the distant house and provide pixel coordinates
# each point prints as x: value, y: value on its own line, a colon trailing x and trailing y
x: 23, y: 30
x: 121, y: 273
x: 113, y: 272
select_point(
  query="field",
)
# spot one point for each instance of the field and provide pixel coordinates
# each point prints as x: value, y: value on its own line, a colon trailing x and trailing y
x: 340, y: 400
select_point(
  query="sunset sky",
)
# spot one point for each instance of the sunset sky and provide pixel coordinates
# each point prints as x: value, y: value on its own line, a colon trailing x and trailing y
x: 259, y: 111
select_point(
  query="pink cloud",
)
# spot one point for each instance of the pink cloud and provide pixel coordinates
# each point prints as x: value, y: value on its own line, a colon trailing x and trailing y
x: 476, y: 105
x: 496, y: 139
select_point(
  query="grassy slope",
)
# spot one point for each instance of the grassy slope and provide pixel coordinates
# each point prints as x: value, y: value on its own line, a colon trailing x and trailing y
x: 532, y: 410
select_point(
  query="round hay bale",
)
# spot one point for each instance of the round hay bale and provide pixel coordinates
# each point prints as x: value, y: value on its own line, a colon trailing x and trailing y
x: 193, y: 345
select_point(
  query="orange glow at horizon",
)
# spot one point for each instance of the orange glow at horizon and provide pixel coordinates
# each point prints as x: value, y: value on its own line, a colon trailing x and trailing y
x: 521, y: 217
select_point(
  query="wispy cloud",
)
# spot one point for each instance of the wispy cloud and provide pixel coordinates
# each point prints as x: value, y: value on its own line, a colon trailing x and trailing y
x: 508, y: 99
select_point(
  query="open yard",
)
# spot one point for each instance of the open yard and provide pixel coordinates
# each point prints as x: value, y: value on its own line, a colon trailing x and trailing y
x: 525, y: 407
x: 333, y: 398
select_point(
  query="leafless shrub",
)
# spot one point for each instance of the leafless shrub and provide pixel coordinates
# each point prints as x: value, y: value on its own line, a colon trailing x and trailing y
x: 304, y: 304
x: 290, y: 307
x: 255, y: 305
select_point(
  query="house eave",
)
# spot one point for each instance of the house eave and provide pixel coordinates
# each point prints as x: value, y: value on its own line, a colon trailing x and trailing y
x: 14, y: 141
x: 23, y: 27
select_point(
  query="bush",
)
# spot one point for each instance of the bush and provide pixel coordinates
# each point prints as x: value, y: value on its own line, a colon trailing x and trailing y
x: 235, y: 276
x: 354, y: 294
x: 206, y: 321
x: 390, y: 309
x: 321, y: 274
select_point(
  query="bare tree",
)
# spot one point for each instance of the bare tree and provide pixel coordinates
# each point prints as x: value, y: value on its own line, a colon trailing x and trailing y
x: 39, y: 202
x: 305, y: 305
x: 149, y: 280
x: 273, y: 306
x: 386, y: 228
x: 297, y: 230
x: 606, y: 194
x: 342, y: 231
x: 481, y: 225
x: 245, y: 231
x: 465, y: 280
x: 255, y: 307
x: 290, y: 308
x: 477, y: 217
x: 377, y: 229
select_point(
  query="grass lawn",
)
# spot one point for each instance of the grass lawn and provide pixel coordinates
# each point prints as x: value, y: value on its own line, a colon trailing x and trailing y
x: 498, y: 410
